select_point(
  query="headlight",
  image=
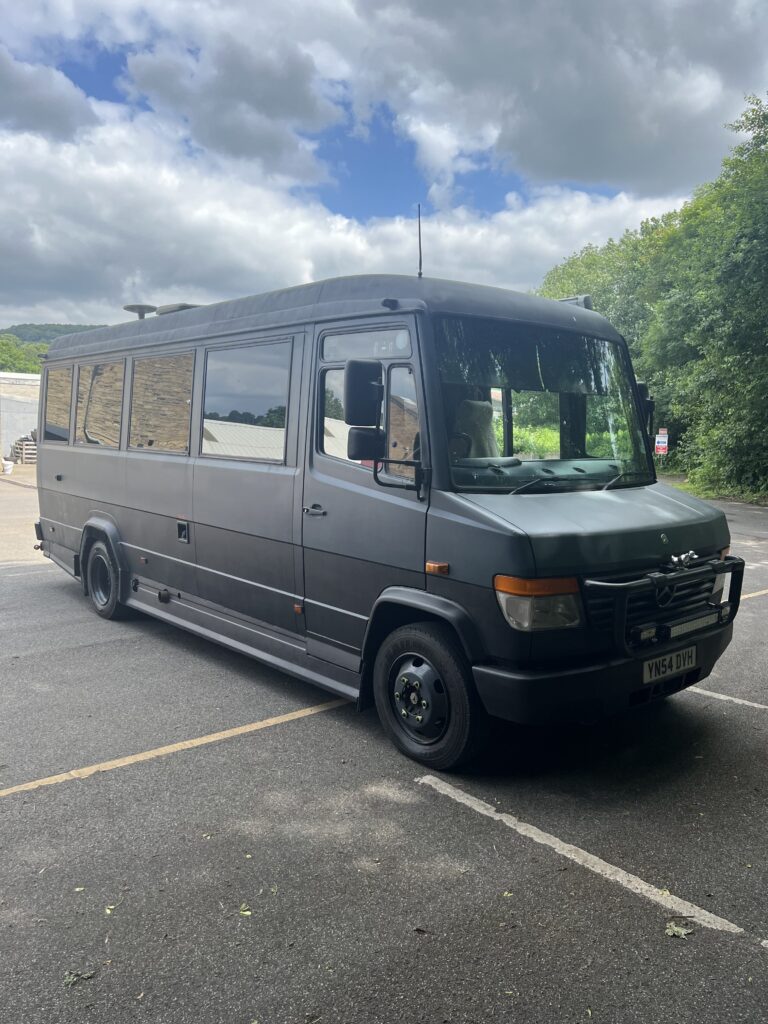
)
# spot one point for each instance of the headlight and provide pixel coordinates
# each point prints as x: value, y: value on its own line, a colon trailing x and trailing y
x: 539, y: 604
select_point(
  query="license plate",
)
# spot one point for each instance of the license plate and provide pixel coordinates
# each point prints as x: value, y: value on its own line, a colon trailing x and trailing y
x: 669, y: 665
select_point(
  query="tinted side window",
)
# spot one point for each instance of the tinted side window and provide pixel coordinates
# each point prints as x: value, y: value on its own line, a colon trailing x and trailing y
x: 387, y: 344
x: 402, y: 422
x: 161, y: 402
x: 99, y: 404
x: 246, y: 400
x: 333, y: 438
x: 58, y: 403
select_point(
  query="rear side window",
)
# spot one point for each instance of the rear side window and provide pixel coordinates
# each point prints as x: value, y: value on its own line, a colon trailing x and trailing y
x: 246, y: 402
x: 161, y: 402
x: 58, y: 404
x: 99, y: 404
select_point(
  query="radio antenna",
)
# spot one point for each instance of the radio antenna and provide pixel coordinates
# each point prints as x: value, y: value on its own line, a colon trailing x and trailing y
x: 419, y: 208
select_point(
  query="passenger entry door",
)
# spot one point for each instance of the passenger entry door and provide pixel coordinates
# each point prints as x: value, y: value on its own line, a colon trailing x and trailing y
x: 246, y: 479
x: 359, y: 537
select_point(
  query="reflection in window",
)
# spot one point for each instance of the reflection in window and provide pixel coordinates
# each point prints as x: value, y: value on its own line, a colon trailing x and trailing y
x: 402, y: 422
x: 161, y: 402
x: 392, y: 344
x: 246, y: 398
x: 99, y: 403
x: 333, y: 440
x: 58, y: 403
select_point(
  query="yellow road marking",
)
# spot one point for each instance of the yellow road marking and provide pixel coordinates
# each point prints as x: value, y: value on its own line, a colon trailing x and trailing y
x: 757, y: 593
x: 171, y: 748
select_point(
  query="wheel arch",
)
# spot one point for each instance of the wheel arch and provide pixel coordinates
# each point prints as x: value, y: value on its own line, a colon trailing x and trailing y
x: 402, y: 606
x: 100, y: 528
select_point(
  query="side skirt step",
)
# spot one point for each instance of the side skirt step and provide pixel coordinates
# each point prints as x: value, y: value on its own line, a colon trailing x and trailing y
x: 256, y: 642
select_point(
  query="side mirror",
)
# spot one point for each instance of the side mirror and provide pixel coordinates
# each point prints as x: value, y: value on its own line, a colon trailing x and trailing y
x: 365, y: 444
x: 363, y: 393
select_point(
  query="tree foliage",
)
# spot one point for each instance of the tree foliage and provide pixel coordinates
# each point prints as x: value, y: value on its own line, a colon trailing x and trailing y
x: 16, y: 357
x: 689, y: 291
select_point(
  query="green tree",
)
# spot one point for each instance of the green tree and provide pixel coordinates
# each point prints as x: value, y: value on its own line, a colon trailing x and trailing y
x: 17, y: 357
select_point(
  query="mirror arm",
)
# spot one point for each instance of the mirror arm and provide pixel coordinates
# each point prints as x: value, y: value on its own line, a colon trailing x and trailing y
x: 421, y: 474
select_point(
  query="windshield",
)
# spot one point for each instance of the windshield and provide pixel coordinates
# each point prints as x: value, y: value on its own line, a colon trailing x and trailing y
x: 535, y: 409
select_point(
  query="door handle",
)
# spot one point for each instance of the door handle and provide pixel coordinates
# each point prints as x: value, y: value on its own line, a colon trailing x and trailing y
x: 314, y: 510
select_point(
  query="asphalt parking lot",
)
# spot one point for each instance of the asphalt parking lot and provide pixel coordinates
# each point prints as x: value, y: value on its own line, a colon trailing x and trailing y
x: 301, y: 870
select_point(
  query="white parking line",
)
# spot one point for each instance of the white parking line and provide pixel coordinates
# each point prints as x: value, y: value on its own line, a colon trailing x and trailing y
x: 673, y: 904
x: 725, y: 696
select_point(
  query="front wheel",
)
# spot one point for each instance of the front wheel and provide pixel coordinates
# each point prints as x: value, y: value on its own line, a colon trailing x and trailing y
x: 425, y: 696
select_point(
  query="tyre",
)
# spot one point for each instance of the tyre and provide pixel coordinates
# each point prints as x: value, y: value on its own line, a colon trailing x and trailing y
x: 103, y: 582
x: 425, y: 696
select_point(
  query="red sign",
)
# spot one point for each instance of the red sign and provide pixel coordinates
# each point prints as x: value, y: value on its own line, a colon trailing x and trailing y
x: 662, y: 444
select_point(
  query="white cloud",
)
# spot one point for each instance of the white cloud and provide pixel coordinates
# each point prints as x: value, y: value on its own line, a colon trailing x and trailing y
x: 37, y: 98
x: 183, y: 192
x: 611, y: 92
x: 123, y: 217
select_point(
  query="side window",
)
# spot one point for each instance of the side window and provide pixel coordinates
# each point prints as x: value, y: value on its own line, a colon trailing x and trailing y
x: 160, y: 403
x: 99, y: 404
x: 58, y: 404
x: 402, y: 422
x: 387, y: 344
x: 333, y: 438
x: 246, y: 401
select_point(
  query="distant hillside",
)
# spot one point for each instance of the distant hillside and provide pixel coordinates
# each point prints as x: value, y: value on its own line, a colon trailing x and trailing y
x: 45, y: 332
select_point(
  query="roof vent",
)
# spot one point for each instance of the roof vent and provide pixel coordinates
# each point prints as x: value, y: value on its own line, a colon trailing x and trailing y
x: 176, y: 307
x: 141, y: 309
x: 585, y: 301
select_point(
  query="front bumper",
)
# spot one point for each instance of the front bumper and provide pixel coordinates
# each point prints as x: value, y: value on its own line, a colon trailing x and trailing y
x: 590, y: 691
x: 680, y: 599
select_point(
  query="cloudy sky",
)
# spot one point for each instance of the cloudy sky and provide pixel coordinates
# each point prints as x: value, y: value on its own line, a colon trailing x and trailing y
x: 194, y: 150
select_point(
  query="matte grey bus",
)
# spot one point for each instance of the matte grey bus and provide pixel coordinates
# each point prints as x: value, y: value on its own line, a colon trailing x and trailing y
x: 436, y: 496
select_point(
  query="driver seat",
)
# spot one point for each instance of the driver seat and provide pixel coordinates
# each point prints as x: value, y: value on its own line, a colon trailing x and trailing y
x: 475, y: 419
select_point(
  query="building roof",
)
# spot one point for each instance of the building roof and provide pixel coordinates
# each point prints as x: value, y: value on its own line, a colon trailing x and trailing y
x: 335, y: 298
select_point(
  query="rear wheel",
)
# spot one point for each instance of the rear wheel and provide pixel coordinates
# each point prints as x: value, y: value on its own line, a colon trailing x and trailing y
x: 103, y: 582
x: 425, y: 696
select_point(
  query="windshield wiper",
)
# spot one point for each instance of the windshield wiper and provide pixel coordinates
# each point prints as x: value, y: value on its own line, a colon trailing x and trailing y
x: 621, y: 476
x: 537, y: 480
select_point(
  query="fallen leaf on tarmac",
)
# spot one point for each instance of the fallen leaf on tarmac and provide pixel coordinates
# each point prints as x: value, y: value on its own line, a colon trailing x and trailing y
x: 509, y: 894
x: 245, y: 910
x: 80, y: 888
x: 589, y: 1012
x: 677, y: 931
x: 72, y: 977
x: 665, y: 892
x: 249, y: 856
x: 110, y: 908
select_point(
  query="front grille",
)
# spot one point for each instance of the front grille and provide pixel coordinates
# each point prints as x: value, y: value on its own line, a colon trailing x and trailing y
x: 689, y: 598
